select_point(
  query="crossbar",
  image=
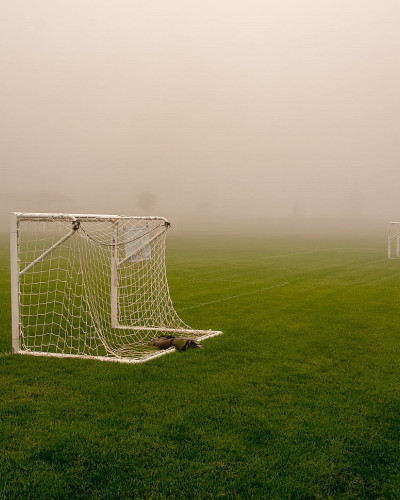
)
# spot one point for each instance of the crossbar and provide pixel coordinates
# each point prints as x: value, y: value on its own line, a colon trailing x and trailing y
x: 22, y: 216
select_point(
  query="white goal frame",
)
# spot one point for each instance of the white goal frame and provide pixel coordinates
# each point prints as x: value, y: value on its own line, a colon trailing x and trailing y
x: 121, y: 255
x: 394, y: 240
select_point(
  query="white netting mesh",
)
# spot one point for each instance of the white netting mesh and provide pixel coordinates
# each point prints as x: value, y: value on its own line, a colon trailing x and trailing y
x: 95, y: 287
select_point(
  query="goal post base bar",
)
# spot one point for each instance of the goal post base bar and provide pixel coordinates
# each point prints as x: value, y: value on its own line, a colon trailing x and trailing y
x: 179, y: 331
x: 129, y: 360
x: 115, y: 359
x: 208, y: 334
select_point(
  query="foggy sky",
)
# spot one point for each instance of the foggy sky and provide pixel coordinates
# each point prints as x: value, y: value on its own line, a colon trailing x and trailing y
x: 206, y: 112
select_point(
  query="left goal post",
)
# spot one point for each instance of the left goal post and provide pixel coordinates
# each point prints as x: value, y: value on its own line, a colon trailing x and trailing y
x: 14, y: 268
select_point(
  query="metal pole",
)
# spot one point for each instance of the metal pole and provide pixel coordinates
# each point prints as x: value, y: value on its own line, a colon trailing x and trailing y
x: 114, y: 276
x: 398, y: 241
x: 14, y: 257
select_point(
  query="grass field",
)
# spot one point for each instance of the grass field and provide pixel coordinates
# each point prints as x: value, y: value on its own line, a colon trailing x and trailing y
x: 300, y: 398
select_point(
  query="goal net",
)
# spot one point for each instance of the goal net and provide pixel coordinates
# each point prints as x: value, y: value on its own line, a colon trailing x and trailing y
x: 92, y: 286
x: 394, y: 240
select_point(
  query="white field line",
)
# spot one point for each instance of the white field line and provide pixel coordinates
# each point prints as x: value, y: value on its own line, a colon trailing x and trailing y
x: 366, y: 263
x: 234, y: 296
x: 5, y: 354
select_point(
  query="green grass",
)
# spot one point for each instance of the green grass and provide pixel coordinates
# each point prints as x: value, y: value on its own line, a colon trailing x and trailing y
x: 298, y: 399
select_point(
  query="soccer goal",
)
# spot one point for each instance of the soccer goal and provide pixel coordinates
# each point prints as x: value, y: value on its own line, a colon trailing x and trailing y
x: 92, y: 286
x: 394, y: 240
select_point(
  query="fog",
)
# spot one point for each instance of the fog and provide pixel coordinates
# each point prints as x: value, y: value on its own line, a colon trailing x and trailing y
x: 215, y: 114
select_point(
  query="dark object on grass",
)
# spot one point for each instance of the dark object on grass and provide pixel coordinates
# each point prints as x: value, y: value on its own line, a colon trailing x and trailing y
x: 180, y: 343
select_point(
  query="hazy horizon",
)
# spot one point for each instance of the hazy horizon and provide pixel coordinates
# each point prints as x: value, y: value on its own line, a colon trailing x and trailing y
x: 212, y: 114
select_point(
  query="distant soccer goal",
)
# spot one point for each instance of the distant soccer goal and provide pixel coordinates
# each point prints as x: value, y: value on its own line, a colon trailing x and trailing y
x: 394, y: 240
x: 92, y: 286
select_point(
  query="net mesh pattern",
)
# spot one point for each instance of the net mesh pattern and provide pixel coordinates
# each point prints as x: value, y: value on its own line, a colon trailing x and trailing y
x: 95, y: 287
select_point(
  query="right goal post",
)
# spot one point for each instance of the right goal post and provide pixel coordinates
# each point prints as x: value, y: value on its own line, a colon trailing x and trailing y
x: 92, y: 286
x: 394, y: 240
